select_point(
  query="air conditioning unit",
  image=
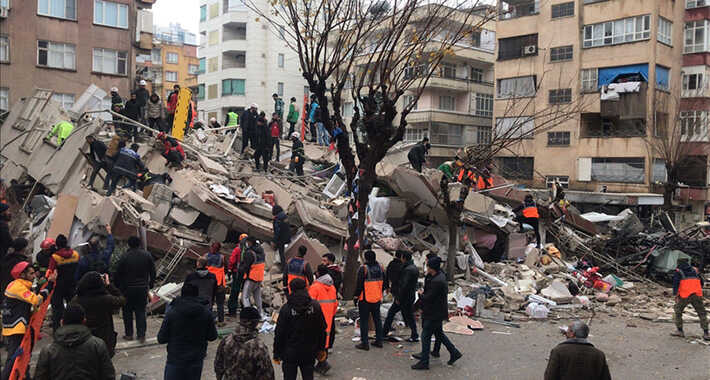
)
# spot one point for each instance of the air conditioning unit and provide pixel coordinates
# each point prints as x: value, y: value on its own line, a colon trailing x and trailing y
x: 3, y: 12
x: 530, y: 50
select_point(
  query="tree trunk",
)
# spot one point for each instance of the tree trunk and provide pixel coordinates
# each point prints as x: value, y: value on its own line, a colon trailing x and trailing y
x: 453, y: 242
x: 365, y: 183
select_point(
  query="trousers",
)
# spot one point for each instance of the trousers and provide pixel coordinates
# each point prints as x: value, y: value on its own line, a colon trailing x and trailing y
x: 61, y: 295
x: 262, y: 154
x: 136, y: 301
x: 252, y: 288
x: 12, y: 342
x: 290, y: 369
x: 186, y: 371
x: 697, y: 303
x: 407, y: 314
x: 233, y: 302
x: 434, y: 327
x: 366, y: 309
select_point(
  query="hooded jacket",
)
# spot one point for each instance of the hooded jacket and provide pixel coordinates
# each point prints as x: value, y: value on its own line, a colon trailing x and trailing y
x: 142, y: 96
x: 6, y: 265
x: 187, y: 327
x: 75, y: 355
x: 300, y: 329
x: 205, y: 282
x: 128, y: 162
x: 154, y: 110
x: 242, y: 355
x: 66, y: 262
x: 282, y: 229
x: 577, y: 359
x: 249, y: 257
x: 262, y: 135
x: 337, y: 275
x: 248, y: 121
x: 99, y: 301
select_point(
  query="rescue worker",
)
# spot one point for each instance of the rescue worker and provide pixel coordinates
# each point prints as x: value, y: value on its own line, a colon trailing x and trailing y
x: 233, y: 270
x: 248, y: 125
x: 128, y: 164
x: 325, y: 294
x: 115, y: 97
x: 242, y: 354
x: 173, y: 152
x: 417, y: 155
x: 368, y: 298
x: 485, y: 180
x: 47, y: 249
x: 62, y: 130
x: 96, y: 258
x: 688, y: 289
x: 19, y: 305
x: 65, y: 262
x: 216, y: 265
x: 97, y: 152
x: 297, y: 267
x: 231, y: 119
x: 298, y: 154
x: 12, y: 258
x: 529, y: 214
x: 447, y: 169
x: 172, y: 105
x: 251, y: 269
x: 213, y: 124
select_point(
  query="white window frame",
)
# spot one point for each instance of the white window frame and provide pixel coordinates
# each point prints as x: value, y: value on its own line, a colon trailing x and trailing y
x: 689, y: 4
x: 484, y: 105
x: 697, y: 121
x: 155, y: 56
x: 66, y: 101
x: 49, y: 8
x: 562, y: 179
x: 615, y: 32
x: 98, y: 66
x: 100, y: 14
x: 691, y: 45
x: 171, y: 76
x: 169, y: 57
x: 443, y: 100
x: 68, y: 52
x: 698, y: 80
x: 4, y: 48
x: 348, y: 109
x: 665, y: 31
x: 589, y: 79
x: 517, y: 87
x: 476, y: 74
x: 515, y: 127
x: 412, y: 134
x: 4, y: 98
x: 280, y: 88
x: 281, y: 60
x: 193, y: 69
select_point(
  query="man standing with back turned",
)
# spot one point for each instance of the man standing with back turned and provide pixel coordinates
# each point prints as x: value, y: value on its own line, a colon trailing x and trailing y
x: 688, y: 289
x: 135, y: 274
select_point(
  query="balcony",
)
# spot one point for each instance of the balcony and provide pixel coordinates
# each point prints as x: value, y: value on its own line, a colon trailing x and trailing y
x: 511, y: 9
x: 449, y: 81
x: 234, y: 31
x: 234, y: 59
x: 448, y: 117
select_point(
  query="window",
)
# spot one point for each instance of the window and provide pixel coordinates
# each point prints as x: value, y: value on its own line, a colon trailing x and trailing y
x: 694, y: 125
x: 476, y: 39
x: 696, y: 3
x: 562, y: 53
x: 514, y: 127
x: 4, y: 49
x: 57, y: 8
x: 484, y: 105
x: 562, y: 10
x: 476, y: 74
x: 201, y: 91
x: 203, y: 13
x: 109, y: 61
x: 4, y: 99
x: 415, y: 71
x: 560, y: 95
x: 306, y: 90
x: 110, y: 14
x: 280, y: 89
x: 624, y: 170
x: 348, y: 109
x: 516, y: 47
x: 520, y: 9
x: 415, y: 134
x: 66, y: 101
x: 155, y: 56
x: 516, y: 167
x: 447, y: 103
x: 233, y: 87
x: 213, y: 37
x: 214, y: 10
x: 213, y: 64
x: 171, y: 57
x: 659, y: 174
x: 663, y: 76
x: 483, y: 135
x: 171, y: 76
x: 409, y: 99
x: 56, y: 55
x: 516, y: 87
x: 693, y: 81
x: 558, y: 138
x: 193, y: 69
x: 562, y: 179
x: 616, y: 32
x: 665, y: 31
x: 281, y: 60
x: 448, y: 70
x: 212, y: 91
x: 695, y: 36
x: 589, y: 80
x: 203, y: 64
x: 446, y: 134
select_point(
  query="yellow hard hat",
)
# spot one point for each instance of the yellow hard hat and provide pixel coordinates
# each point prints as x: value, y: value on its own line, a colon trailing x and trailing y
x: 242, y: 237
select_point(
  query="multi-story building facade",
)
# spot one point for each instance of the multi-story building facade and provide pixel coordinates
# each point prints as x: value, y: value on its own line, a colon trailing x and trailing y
x: 66, y: 45
x: 566, y: 55
x: 243, y: 60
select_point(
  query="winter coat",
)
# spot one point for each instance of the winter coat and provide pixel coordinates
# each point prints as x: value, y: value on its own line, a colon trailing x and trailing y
x: 248, y: 122
x: 66, y: 262
x: 75, y: 355
x: 186, y: 328
x: 314, y: 113
x: 99, y: 302
x: 6, y: 265
x: 408, y: 282
x: 116, y: 99
x: 206, y: 282
x: 337, y: 275
x: 97, y: 150
x: 93, y: 260
x: 234, y: 259
x: 297, y: 151
x: 172, y: 102
x: 262, y: 136
x: 417, y: 153
x: 248, y: 259
x: 142, y: 96
x: 292, y: 116
x: 5, y: 237
x: 243, y: 355
x: 154, y: 110
x: 282, y: 229
x: 132, y: 110
x: 371, y: 268
x: 135, y: 269
x: 300, y: 329
x: 279, y: 107
x: 394, y: 268
x: 577, y: 359
x: 688, y: 272
x: 434, y: 304
x: 128, y: 162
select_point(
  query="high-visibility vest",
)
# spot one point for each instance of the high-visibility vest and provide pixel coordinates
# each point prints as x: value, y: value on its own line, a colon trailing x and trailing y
x: 372, y: 291
x: 233, y: 119
x: 326, y: 297
x: 466, y: 174
x: 296, y: 268
x: 531, y: 212
x: 689, y: 285
x: 219, y: 273
x: 483, y: 183
x: 256, y: 271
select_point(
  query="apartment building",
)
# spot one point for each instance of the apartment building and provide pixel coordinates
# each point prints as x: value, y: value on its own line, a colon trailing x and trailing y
x: 66, y: 45
x: 582, y: 56
x: 242, y: 60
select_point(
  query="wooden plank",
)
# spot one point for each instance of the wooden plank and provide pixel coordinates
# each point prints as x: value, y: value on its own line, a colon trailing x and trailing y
x: 63, y: 216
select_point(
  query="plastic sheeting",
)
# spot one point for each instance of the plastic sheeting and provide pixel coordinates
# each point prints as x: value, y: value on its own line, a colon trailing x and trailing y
x: 608, y: 74
x: 377, y: 215
x: 662, y: 77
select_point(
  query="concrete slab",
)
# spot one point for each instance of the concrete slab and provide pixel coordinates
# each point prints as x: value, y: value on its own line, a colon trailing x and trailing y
x: 320, y: 219
x: 184, y: 215
x: 212, y: 166
x: 282, y: 195
x: 217, y: 231
x: 63, y: 216
x: 316, y: 249
x: 161, y: 196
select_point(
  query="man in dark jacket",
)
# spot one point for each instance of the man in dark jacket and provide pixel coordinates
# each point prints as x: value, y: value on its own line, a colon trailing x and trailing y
x: 247, y: 122
x: 282, y: 233
x: 300, y: 333
x: 262, y: 143
x: 128, y: 164
x: 187, y: 328
x: 435, y: 311
x: 133, y: 111
x: 242, y: 354
x: 333, y: 270
x: 135, y: 274
x: 205, y: 282
x: 417, y: 155
x: 65, y: 262
x: 74, y: 354
x: 95, y: 257
x: 298, y: 154
x: 688, y: 289
x: 404, y: 295
x: 115, y: 97
x: 576, y: 358
x: 528, y: 213
x: 251, y: 269
x: 371, y: 279
x: 5, y: 237
x: 142, y: 96
x: 97, y: 152
x: 100, y: 298
x: 297, y: 267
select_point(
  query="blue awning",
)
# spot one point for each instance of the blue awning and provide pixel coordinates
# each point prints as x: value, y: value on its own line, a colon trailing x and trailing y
x: 608, y: 74
x: 662, y: 75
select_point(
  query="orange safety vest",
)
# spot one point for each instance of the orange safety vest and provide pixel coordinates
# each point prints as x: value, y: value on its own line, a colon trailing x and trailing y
x: 372, y: 291
x: 689, y: 285
x: 256, y: 271
x: 326, y: 297
x: 219, y: 273
x: 483, y: 183
x: 295, y: 270
x: 531, y: 212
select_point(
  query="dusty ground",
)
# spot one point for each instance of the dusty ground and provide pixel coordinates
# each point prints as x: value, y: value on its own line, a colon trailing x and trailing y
x: 642, y: 352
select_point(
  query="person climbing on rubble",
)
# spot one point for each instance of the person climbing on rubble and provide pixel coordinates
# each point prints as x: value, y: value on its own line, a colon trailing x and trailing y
x: 299, y: 338
x: 404, y: 295
x: 325, y: 294
x: 292, y: 117
x: 133, y: 111
x: 447, y: 169
x: 97, y: 153
x: 171, y: 106
x: 205, y: 281
x: 128, y: 164
x: 334, y: 270
x: 417, y: 155
x: 155, y: 113
x: 115, y: 97
x: 173, y: 152
x: 216, y: 266
x: 275, y: 130
x: 95, y: 257
x: 527, y: 213
x: 576, y: 358
x: 251, y: 268
x: 282, y: 233
x: 298, y: 154
x: 371, y: 279
x: 62, y: 130
x: 233, y: 270
x: 688, y: 289
x: 242, y: 354
x: 262, y: 143
x: 297, y: 267
x: 65, y: 263
x: 247, y: 122
x: 231, y: 119
x: 134, y: 275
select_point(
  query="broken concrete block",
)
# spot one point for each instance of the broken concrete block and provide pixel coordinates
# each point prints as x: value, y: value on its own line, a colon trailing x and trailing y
x: 320, y: 219
x: 212, y: 166
x: 217, y: 231
x: 558, y: 292
x: 601, y: 297
x: 479, y: 204
x: 63, y: 216
x: 315, y: 252
x: 184, y: 215
x: 283, y: 196
x: 161, y: 196
x: 613, y: 300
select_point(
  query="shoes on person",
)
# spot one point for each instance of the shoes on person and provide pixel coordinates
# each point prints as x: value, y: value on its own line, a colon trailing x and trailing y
x: 377, y: 344
x: 412, y: 340
x: 391, y: 338
x: 420, y: 365
x: 322, y: 368
x: 363, y: 346
x: 435, y: 354
x: 706, y: 336
x: 678, y: 333
x: 128, y: 337
x: 141, y: 339
x: 454, y: 357
x: 417, y: 356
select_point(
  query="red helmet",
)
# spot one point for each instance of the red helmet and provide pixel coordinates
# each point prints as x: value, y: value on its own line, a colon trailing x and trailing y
x: 47, y: 243
x: 161, y: 136
x: 19, y: 268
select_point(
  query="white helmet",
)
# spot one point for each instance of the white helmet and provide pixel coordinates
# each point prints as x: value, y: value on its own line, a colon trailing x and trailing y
x: 295, y: 135
x: 114, y: 89
x: 254, y: 105
x: 213, y: 119
x: 143, y: 82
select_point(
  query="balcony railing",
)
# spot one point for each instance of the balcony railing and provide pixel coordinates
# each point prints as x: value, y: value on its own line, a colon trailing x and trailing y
x: 448, y: 76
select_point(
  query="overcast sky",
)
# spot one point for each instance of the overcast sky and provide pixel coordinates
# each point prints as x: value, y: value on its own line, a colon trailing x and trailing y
x: 185, y: 12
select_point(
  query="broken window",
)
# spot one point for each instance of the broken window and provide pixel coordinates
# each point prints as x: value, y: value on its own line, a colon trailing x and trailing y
x: 516, y: 87
x: 594, y: 125
x: 516, y: 167
x: 658, y: 171
x: 694, y: 171
x: 516, y: 47
x: 562, y: 179
x: 621, y: 169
